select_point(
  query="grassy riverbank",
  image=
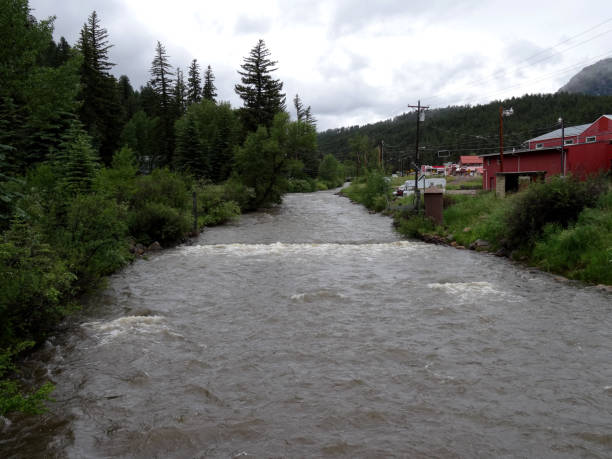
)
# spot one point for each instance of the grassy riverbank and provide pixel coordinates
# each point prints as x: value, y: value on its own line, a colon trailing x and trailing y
x: 563, y: 226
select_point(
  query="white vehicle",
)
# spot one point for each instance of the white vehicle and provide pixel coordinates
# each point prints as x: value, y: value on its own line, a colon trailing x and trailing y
x: 424, y: 183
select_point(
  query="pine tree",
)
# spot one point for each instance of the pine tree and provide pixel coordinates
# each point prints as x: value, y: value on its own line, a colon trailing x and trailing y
x: 100, y: 110
x: 180, y: 94
x: 261, y: 94
x: 161, y: 80
x: 161, y: 83
x: 210, y: 91
x: 194, y: 83
x: 76, y: 161
x: 299, y: 108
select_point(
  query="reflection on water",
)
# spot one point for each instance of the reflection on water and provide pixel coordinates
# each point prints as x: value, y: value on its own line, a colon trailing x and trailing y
x: 312, y: 330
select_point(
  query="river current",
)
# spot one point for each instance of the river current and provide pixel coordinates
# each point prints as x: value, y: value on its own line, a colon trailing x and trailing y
x: 313, y: 330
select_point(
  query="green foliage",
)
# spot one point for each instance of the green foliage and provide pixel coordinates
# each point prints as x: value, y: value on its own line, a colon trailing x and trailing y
x: 33, y: 284
x: 118, y: 182
x: 100, y: 110
x: 415, y: 226
x: 302, y: 185
x: 156, y: 221
x: 583, y: 250
x: 8, y: 194
x: 331, y: 172
x: 261, y: 161
x: 159, y: 208
x: 558, y: 201
x: 11, y: 399
x: 372, y: 191
x: 206, y: 137
x: 302, y: 144
x: 76, y: 162
x: 214, y: 207
x: 209, y: 90
x: 194, y: 83
x: 93, y: 242
x: 260, y: 93
x: 36, y: 101
x: 141, y: 134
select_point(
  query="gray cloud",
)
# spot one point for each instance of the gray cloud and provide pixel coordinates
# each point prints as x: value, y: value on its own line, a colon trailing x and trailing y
x: 248, y: 25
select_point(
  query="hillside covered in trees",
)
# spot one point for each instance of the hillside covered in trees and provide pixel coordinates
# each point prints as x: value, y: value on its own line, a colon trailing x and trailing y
x: 462, y: 130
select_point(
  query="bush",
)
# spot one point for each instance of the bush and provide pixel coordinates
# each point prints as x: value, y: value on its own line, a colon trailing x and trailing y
x: 156, y: 221
x: 582, y: 251
x: 164, y: 187
x: 415, y: 226
x: 11, y: 399
x: 214, y: 207
x: 160, y: 208
x: 93, y: 241
x: 301, y: 185
x: 221, y: 213
x: 33, y: 285
x: 558, y: 201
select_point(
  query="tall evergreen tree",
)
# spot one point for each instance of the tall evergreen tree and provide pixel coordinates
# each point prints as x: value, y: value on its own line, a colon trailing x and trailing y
x: 37, y: 98
x: 161, y: 83
x: 127, y: 97
x: 261, y: 94
x: 299, y: 108
x: 180, y: 94
x: 161, y: 77
x: 194, y: 83
x: 210, y: 91
x: 100, y: 110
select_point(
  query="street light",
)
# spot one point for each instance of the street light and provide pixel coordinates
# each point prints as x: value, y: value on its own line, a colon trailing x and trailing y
x: 560, y: 120
x: 502, y: 113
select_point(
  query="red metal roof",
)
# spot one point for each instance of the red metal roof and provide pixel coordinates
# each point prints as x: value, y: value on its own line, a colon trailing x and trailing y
x: 470, y: 160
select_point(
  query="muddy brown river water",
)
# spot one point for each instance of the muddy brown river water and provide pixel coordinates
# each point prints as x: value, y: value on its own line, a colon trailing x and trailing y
x: 313, y: 330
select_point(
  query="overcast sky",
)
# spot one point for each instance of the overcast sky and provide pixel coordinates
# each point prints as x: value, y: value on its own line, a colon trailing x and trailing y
x: 357, y: 61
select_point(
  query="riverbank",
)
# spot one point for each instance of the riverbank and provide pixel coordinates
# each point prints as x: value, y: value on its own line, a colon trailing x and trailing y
x: 562, y: 226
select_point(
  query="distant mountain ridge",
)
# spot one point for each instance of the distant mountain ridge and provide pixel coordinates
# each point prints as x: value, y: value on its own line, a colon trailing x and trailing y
x: 595, y: 80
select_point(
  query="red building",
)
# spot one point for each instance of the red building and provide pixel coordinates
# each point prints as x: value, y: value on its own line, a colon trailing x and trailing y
x: 587, y: 150
x: 470, y: 164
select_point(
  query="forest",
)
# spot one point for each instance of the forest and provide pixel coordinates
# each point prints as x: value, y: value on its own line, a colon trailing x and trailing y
x: 447, y: 133
x: 92, y: 169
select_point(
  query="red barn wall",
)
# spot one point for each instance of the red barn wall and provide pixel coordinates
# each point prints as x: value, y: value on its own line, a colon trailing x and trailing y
x: 581, y: 160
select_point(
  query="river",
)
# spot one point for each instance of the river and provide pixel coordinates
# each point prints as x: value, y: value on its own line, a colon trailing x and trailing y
x: 313, y: 330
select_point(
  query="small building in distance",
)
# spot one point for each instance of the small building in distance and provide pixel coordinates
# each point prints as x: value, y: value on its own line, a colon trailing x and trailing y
x: 469, y: 164
x: 587, y: 150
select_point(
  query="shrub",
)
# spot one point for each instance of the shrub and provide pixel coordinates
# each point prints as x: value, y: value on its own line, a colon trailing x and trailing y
x: 160, y: 208
x: 415, y: 226
x: 93, y: 241
x: 33, y: 284
x: 156, y: 221
x: 213, y: 206
x: 301, y: 185
x: 583, y: 250
x: 557, y: 201
x: 11, y: 399
x: 221, y: 213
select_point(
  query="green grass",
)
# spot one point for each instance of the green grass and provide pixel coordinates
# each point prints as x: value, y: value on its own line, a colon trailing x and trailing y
x: 578, y: 247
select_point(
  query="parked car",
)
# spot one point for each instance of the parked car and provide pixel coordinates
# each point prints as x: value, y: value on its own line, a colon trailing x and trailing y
x: 400, y: 190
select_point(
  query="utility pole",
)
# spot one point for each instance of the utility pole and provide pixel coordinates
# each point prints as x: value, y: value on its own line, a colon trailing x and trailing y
x: 416, y: 153
x: 562, y: 146
x: 502, y: 113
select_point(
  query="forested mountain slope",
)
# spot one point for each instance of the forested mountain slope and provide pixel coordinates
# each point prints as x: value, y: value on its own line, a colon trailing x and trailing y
x: 464, y: 130
x: 595, y: 80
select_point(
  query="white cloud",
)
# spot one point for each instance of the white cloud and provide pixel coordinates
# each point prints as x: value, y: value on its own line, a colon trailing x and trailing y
x: 356, y: 61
